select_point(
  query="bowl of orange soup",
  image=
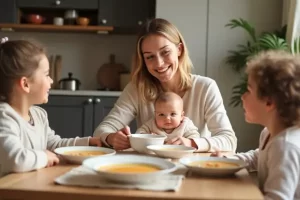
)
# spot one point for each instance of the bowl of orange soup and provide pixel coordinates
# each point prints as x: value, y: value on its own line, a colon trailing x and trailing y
x: 171, y: 151
x: 213, y: 166
x: 130, y: 168
x: 77, y: 154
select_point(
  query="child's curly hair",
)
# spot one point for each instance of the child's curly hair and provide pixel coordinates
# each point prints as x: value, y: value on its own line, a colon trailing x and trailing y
x: 277, y: 75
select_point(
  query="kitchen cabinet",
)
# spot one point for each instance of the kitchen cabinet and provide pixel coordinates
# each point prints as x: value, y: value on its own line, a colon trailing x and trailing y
x: 71, y: 116
x: 125, y: 13
x: 8, y: 11
x: 58, y: 4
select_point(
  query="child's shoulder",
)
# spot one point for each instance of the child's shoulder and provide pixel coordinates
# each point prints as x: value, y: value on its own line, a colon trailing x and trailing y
x: 38, y: 111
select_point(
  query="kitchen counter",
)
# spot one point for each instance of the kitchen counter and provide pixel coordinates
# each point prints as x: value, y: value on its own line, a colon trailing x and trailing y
x: 86, y: 93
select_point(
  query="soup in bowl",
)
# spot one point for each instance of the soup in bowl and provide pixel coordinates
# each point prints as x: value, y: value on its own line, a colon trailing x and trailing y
x: 130, y: 168
x: 139, y: 142
x: 77, y: 154
x: 213, y: 166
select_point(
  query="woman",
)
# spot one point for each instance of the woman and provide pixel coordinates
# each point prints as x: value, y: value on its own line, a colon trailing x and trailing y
x: 161, y: 63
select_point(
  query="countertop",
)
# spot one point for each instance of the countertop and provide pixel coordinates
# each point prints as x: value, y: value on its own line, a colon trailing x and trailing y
x: 86, y: 93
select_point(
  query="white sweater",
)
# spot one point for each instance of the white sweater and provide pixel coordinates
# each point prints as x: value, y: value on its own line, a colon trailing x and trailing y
x: 278, y: 164
x: 22, y: 146
x: 186, y: 129
x: 203, y: 104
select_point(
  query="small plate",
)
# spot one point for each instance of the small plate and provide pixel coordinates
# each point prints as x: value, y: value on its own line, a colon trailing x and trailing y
x: 141, y: 178
x: 213, y: 171
x: 78, y: 159
x: 171, y: 151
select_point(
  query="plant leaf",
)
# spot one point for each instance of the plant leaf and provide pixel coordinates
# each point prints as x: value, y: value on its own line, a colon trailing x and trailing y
x: 241, y: 23
x: 271, y: 41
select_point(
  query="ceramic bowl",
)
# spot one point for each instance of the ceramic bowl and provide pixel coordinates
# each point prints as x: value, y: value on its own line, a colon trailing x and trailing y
x: 211, y: 169
x: 171, y: 151
x: 79, y: 159
x: 97, y: 162
x: 83, y: 21
x: 139, y: 142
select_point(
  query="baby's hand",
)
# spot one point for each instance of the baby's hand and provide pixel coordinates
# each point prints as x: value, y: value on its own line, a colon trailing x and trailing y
x: 95, y: 141
x: 52, y: 158
x: 180, y: 141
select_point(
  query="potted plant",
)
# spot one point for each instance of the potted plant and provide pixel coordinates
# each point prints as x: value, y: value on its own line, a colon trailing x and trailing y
x: 238, y: 58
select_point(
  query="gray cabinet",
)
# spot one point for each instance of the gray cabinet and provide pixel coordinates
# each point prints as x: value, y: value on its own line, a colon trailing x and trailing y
x: 71, y: 116
x: 8, y: 11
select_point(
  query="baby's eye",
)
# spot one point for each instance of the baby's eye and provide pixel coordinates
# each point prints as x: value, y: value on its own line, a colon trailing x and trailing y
x: 173, y: 114
x: 161, y: 115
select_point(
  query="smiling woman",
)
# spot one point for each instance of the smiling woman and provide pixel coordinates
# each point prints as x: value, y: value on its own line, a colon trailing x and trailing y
x: 161, y: 64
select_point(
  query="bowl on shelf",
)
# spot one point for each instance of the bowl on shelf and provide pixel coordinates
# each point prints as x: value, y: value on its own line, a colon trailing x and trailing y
x: 139, y: 142
x: 83, y: 21
x: 35, y: 19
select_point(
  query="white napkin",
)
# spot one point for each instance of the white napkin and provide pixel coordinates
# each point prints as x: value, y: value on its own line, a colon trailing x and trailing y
x: 82, y: 176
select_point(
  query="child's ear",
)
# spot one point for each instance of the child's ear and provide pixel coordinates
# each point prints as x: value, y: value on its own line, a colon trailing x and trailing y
x: 24, y: 84
x: 270, y: 104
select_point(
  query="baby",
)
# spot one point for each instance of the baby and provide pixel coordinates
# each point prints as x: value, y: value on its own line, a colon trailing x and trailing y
x: 170, y: 120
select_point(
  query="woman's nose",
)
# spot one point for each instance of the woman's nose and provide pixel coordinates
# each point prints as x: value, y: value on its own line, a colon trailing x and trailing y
x: 160, y: 61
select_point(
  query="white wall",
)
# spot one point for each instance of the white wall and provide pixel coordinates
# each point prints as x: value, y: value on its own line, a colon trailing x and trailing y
x: 82, y: 54
x: 202, y: 24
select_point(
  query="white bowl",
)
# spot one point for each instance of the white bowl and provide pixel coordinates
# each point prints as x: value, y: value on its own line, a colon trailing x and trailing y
x: 78, y: 159
x: 213, y: 171
x: 98, y: 162
x: 171, y: 151
x: 139, y: 142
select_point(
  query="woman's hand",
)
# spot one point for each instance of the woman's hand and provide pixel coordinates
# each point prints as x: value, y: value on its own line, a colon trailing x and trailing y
x: 217, y: 153
x: 95, y: 141
x: 120, y: 140
x: 180, y: 141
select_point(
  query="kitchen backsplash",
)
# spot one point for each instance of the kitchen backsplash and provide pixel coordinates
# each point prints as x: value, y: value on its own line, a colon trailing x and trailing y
x: 82, y: 54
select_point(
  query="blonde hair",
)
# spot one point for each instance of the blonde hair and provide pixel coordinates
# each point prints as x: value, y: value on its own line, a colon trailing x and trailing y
x: 277, y: 75
x: 147, y: 85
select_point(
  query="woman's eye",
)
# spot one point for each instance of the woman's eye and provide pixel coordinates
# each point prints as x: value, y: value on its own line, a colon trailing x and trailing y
x: 149, y: 57
x: 166, y: 52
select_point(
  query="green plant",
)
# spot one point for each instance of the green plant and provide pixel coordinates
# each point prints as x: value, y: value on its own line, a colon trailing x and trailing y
x: 265, y: 41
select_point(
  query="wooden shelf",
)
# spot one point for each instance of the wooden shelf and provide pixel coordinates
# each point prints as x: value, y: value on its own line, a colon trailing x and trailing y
x: 55, y: 28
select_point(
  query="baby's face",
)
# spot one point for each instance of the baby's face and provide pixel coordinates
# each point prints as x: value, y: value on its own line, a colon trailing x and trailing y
x: 168, y: 115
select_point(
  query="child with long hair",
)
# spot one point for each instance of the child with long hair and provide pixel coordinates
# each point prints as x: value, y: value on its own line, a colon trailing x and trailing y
x: 26, y: 140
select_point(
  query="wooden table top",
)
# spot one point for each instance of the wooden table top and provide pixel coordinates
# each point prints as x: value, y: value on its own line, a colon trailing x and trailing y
x: 40, y: 185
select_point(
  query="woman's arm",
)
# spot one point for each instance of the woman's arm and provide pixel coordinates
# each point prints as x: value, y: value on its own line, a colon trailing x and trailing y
x: 123, y: 112
x: 222, y: 135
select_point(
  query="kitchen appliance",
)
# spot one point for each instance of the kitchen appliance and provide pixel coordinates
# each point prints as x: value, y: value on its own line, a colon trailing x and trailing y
x: 69, y: 83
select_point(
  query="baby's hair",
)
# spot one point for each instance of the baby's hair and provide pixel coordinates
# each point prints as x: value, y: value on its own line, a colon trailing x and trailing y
x: 277, y: 75
x: 165, y: 97
x: 18, y: 58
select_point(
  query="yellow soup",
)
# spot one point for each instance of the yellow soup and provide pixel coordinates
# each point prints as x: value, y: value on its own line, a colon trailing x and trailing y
x: 84, y: 153
x: 213, y: 164
x: 129, y: 168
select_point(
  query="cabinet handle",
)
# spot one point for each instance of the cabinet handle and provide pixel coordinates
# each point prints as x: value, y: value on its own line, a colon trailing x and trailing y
x: 89, y: 101
x: 140, y: 22
x: 104, y: 21
x: 57, y: 2
x: 97, y: 100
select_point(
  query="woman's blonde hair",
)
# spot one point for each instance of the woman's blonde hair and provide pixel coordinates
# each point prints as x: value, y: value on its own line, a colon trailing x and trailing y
x: 147, y: 85
x: 277, y: 76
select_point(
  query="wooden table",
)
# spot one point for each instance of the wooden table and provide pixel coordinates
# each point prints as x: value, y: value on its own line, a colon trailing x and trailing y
x: 40, y: 185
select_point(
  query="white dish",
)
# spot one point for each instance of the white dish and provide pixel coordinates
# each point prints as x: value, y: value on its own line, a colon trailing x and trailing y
x: 78, y: 159
x: 171, y: 151
x: 213, y: 171
x: 98, y: 162
x: 139, y: 142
